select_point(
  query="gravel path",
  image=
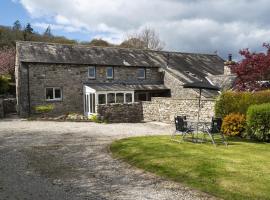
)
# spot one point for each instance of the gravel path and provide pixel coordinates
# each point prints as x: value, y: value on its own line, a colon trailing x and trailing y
x: 65, y: 160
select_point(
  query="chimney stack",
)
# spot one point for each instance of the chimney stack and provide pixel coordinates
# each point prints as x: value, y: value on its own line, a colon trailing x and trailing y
x: 228, y: 64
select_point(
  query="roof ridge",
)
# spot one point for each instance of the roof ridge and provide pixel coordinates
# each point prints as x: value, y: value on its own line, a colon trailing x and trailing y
x: 121, y: 48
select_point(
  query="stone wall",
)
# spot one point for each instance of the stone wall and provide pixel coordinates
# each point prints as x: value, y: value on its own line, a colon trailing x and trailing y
x: 7, y: 105
x: 71, y: 79
x: 159, y: 109
x: 121, y: 113
x: 165, y: 109
x: 175, y: 85
x: 10, y: 105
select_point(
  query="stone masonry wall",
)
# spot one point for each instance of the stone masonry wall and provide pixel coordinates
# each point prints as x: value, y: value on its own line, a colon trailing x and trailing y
x: 71, y: 79
x: 121, y: 113
x: 177, y: 90
x: 7, y: 105
x: 165, y: 109
x: 10, y: 105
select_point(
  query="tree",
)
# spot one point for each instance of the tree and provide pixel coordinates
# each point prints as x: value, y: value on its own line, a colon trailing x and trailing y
x: 48, y: 32
x: 99, y: 42
x: 133, y: 43
x: 145, y: 39
x: 253, y: 71
x: 17, y: 26
x: 7, y: 61
x: 28, y: 31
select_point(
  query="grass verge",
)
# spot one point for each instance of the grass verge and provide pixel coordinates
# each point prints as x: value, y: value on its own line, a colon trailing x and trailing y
x: 240, y: 171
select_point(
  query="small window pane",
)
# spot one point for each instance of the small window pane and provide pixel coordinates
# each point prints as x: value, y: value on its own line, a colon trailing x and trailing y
x: 111, y: 97
x: 94, y: 103
x: 92, y: 72
x: 109, y: 72
x: 87, y: 102
x: 90, y: 100
x: 49, y: 93
x: 128, y: 97
x: 142, y: 97
x: 141, y: 73
x: 101, y: 99
x: 57, y: 93
x: 119, y: 98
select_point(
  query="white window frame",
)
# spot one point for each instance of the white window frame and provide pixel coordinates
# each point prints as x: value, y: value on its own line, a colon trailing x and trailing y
x: 115, y: 92
x: 110, y: 77
x: 92, y: 77
x: 132, y: 97
x: 144, y: 74
x: 97, y: 100
x: 54, y: 99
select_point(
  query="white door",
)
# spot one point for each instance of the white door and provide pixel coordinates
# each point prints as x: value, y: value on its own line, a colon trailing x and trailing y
x: 89, y: 103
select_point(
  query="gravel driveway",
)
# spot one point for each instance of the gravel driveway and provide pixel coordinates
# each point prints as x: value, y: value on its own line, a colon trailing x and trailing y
x: 68, y: 160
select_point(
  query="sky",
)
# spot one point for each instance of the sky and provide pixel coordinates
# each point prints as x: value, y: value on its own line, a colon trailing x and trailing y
x: 199, y: 26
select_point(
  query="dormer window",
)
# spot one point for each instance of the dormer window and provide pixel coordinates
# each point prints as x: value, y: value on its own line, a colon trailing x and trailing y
x: 109, y: 72
x: 141, y: 73
x: 92, y: 72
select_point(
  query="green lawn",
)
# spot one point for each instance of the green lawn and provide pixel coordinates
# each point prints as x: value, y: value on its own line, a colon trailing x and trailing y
x: 240, y: 171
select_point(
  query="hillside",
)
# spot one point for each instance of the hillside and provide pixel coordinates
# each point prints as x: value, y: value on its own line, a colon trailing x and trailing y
x: 9, y: 36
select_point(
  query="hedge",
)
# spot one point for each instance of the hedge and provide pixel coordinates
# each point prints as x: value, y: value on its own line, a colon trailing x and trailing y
x: 238, y: 102
x: 258, y: 122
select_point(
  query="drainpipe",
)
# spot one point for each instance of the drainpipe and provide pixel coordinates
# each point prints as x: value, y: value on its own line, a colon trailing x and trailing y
x: 28, y: 91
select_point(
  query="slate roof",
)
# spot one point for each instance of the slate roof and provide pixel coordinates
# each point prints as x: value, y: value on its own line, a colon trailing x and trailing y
x: 125, y: 87
x: 198, y: 64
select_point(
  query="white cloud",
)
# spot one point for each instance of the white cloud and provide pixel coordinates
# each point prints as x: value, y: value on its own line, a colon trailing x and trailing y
x: 185, y: 25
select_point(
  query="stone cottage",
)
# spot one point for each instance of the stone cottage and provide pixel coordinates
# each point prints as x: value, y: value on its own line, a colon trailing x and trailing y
x: 77, y: 78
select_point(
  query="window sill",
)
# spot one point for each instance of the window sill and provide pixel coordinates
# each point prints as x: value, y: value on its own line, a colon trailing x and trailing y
x: 54, y: 100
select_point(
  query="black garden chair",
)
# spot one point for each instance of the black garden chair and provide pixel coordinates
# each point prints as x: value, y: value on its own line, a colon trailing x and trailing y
x: 215, y: 129
x: 181, y: 128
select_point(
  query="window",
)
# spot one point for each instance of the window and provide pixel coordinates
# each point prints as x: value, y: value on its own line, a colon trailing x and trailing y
x: 92, y: 72
x: 101, y: 99
x: 111, y: 98
x: 53, y: 94
x: 119, y: 97
x: 142, y: 97
x: 141, y: 73
x: 128, y: 97
x: 109, y: 72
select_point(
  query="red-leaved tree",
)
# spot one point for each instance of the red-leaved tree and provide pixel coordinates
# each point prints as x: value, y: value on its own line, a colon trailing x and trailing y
x: 253, y: 70
x: 7, y: 61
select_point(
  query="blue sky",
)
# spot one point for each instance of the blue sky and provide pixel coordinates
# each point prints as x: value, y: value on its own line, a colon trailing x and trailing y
x: 200, y: 26
x: 10, y: 11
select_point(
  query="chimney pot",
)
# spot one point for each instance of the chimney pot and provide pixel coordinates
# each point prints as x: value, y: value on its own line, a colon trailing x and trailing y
x: 230, y: 57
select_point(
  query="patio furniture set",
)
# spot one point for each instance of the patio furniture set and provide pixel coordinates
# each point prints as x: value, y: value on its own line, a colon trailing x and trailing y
x: 186, y: 127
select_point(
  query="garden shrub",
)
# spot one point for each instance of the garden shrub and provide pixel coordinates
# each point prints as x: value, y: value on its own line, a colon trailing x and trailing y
x: 233, y: 124
x: 238, y: 102
x: 258, y: 122
x: 76, y: 117
x: 4, y: 84
x: 95, y: 118
x: 44, y: 108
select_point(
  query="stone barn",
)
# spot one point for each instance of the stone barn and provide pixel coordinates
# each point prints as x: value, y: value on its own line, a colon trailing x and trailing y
x: 88, y: 80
